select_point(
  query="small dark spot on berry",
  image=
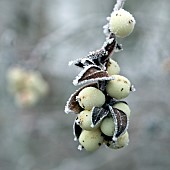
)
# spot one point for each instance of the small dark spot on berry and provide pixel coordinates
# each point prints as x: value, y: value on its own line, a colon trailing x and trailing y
x: 116, y: 14
x: 121, y: 89
x: 76, y: 118
x: 86, y: 115
x: 83, y: 140
x: 130, y: 21
x: 99, y: 144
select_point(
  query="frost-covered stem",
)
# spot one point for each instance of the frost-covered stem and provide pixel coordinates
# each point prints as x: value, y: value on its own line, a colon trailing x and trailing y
x: 119, y: 4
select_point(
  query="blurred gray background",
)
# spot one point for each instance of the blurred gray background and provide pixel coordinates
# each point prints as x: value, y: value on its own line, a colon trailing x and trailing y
x: 46, y: 35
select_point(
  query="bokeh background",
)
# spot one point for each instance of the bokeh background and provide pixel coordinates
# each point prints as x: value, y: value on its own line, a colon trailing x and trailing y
x: 46, y: 35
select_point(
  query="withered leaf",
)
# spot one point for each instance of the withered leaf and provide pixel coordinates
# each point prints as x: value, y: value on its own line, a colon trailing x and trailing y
x: 76, y: 130
x: 88, y: 70
x: 81, y: 62
x: 100, y: 56
x: 98, y: 113
x: 111, y: 101
x: 121, y: 122
x: 109, y: 45
x: 91, y: 74
x: 72, y: 106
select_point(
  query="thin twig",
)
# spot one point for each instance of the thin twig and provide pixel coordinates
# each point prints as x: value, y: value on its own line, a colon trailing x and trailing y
x: 119, y: 4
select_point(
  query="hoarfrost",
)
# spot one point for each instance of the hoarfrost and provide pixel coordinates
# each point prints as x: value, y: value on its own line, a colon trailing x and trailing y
x: 108, y: 18
x: 93, y: 80
x: 132, y: 88
x: 80, y: 147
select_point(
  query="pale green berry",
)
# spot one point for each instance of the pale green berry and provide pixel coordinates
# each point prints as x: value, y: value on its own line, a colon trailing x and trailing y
x: 118, y: 88
x: 84, y: 120
x: 107, y: 126
x: 16, y: 79
x: 90, y: 97
x: 36, y: 82
x: 123, y: 107
x: 121, y: 23
x: 112, y: 67
x: 91, y: 140
x: 121, y: 142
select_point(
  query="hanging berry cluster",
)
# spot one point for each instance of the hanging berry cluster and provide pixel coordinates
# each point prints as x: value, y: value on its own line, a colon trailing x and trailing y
x: 102, y: 117
x: 28, y: 87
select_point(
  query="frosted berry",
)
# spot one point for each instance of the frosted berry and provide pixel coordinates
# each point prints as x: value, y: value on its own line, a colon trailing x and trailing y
x: 91, y: 140
x: 121, y: 142
x: 121, y: 23
x: 107, y: 126
x: 112, y: 67
x: 118, y: 88
x: 84, y: 120
x: 123, y: 107
x: 90, y: 97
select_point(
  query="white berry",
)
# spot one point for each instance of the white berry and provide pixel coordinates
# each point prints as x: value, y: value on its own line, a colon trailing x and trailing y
x: 90, y: 97
x: 84, y: 120
x: 121, y: 23
x: 112, y: 67
x: 121, y: 142
x: 91, y: 140
x: 107, y: 126
x: 123, y: 107
x: 118, y: 88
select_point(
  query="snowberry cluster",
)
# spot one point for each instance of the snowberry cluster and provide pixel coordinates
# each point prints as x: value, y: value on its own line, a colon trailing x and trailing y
x: 27, y: 86
x: 102, y: 117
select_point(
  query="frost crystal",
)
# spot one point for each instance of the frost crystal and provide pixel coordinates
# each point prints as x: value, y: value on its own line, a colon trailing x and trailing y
x: 132, y: 88
x: 108, y: 18
x: 80, y: 147
x: 106, y: 29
